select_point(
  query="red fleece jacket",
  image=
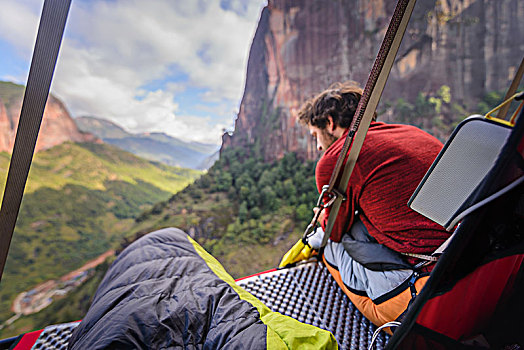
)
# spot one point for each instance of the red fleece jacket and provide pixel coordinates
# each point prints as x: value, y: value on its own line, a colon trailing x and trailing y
x: 393, y: 160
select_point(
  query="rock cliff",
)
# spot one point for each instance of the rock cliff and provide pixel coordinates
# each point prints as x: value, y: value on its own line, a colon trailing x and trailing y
x: 57, y: 125
x: 302, y: 46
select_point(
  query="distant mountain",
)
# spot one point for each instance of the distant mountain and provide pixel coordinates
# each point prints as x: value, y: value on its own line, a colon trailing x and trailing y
x: 209, y: 161
x: 80, y: 200
x: 101, y: 128
x: 57, y: 125
x: 155, y: 146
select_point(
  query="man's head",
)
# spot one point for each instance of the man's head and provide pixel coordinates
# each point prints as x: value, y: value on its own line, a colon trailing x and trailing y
x: 330, y: 113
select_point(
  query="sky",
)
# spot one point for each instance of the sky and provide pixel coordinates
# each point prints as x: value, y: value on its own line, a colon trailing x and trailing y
x: 173, y: 66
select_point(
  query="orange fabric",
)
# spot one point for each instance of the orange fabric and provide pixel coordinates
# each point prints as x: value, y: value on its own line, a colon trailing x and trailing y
x: 387, y: 311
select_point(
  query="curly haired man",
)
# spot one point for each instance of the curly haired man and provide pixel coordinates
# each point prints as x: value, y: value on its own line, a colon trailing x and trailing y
x: 375, y: 236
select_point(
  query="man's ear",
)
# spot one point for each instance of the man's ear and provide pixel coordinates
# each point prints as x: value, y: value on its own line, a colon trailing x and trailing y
x: 330, y: 124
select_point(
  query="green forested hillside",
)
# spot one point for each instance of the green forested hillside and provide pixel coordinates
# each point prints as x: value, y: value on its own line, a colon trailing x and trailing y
x: 9, y: 92
x: 80, y: 200
x: 245, y: 212
x: 70, y: 308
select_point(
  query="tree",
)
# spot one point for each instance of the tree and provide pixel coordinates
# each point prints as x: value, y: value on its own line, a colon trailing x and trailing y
x: 224, y: 181
x: 303, y: 213
x: 269, y: 199
x: 243, y: 212
x: 267, y: 178
x: 255, y: 213
x: 290, y: 192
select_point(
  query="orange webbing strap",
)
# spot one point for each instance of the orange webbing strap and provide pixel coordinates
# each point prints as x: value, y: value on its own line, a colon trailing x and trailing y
x: 368, y: 104
x: 47, y: 46
x: 379, y: 314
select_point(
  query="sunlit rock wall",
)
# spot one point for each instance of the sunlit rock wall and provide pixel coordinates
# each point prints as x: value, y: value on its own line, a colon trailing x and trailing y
x: 57, y: 125
x: 302, y: 46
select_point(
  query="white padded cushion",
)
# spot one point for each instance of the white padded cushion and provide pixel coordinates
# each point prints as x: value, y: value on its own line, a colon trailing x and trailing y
x: 461, y: 165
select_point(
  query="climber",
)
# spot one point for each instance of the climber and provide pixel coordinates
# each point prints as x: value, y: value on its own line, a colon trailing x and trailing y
x: 377, y: 247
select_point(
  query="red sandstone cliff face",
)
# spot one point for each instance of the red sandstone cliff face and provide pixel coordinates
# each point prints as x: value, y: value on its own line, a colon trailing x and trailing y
x: 6, y: 133
x: 57, y: 125
x: 302, y: 46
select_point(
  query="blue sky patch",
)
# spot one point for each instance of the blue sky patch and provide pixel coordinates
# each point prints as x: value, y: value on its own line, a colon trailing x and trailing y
x: 11, y: 65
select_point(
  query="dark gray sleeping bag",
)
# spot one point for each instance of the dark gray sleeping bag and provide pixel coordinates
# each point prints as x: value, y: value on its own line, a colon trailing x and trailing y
x: 165, y: 292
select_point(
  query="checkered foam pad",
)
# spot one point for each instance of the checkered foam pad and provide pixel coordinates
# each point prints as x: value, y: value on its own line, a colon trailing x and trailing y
x: 309, y: 294
x: 55, y: 337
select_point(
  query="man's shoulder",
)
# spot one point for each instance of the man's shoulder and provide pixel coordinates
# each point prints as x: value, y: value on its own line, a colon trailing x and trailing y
x: 329, y: 158
x: 376, y: 130
x: 391, y: 127
x: 392, y: 138
x: 402, y: 132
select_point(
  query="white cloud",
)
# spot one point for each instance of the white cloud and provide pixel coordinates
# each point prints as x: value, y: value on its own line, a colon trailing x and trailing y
x: 19, y: 24
x: 193, y: 128
x: 115, y: 51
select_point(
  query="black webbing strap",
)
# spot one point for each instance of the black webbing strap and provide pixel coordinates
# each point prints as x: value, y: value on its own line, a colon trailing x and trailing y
x: 368, y: 104
x: 47, y: 46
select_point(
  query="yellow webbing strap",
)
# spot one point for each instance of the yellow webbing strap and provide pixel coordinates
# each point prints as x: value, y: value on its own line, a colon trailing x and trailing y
x: 504, y: 104
x: 511, y: 91
x: 298, y: 252
x: 283, y: 332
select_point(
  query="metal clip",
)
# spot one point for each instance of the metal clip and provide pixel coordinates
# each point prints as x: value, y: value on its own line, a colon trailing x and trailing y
x: 321, y: 196
x: 333, y: 195
x: 310, y: 228
x: 339, y: 194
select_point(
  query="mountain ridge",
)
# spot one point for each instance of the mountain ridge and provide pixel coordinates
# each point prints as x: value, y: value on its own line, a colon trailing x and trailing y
x: 57, y: 124
x: 151, y: 145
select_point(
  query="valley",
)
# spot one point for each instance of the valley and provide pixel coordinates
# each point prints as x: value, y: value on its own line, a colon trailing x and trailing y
x: 80, y: 201
x: 42, y: 295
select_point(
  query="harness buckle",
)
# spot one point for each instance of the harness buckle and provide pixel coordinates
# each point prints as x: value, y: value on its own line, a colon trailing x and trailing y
x: 411, y: 284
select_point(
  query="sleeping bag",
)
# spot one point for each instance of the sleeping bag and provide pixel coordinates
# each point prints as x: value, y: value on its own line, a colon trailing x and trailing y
x: 165, y: 291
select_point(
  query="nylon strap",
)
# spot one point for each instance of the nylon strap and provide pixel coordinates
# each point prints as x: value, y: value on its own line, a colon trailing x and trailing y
x: 368, y: 104
x: 421, y: 256
x: 512, y: 90
x: 47, y: 46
